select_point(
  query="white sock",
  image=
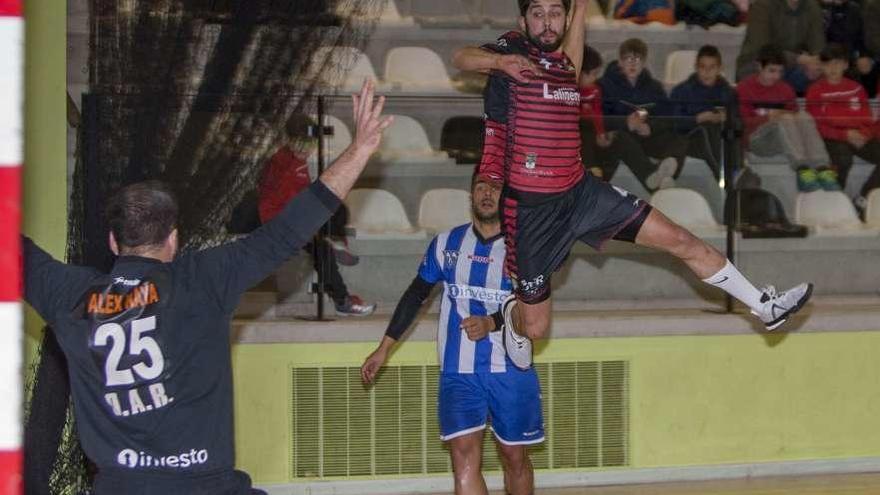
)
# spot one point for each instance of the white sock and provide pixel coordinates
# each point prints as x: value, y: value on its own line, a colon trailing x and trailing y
x: 730, y: 280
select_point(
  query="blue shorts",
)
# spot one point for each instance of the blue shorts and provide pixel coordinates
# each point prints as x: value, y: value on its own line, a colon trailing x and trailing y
x: 512, y: 399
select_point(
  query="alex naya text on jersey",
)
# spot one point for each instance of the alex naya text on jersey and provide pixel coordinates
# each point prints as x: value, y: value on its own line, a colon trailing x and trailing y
x: 125, y: 346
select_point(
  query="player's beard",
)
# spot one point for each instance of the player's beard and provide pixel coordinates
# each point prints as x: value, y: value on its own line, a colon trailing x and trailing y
x: 485, y: 218
x: 547, y: 48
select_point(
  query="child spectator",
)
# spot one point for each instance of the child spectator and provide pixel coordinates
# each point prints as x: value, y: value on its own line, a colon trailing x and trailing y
x: 843, y: 116
x: 842, y: 20
x: 594, y: 140
x: 286, y: 175
x: 773, y: 124
x: 700, y: 105
x: 639, y: 115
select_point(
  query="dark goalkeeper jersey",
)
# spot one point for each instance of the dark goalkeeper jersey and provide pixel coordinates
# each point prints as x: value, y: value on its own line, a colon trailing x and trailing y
x: 532, y: 137
x: 148, y: 345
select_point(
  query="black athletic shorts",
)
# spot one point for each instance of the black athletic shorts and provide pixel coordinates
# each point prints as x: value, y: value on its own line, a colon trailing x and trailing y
x: 540, y: 230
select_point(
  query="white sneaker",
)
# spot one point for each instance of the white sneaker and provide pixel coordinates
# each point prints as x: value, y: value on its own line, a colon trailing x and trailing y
x: 662, y: 178
x: 776, y: 307
x: 518, y: 348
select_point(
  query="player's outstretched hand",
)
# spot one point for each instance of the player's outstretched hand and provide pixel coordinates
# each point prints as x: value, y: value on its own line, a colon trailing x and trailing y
x: 368, y: 120
x: 518, y: 67
x: 372, y: 365
x: 477, y: 327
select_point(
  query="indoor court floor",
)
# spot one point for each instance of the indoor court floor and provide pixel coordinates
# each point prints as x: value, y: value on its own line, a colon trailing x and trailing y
x: 839, y: 484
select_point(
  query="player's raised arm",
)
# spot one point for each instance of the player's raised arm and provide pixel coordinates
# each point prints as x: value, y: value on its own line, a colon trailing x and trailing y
x: 476, y: 59
x: 369, y: 124
x: 573, y: 45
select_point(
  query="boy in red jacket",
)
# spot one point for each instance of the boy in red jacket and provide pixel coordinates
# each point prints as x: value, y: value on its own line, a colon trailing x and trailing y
x: 773, y: 124
x: 843, y: 115
x: 594, y: 140
x: 286, y: 175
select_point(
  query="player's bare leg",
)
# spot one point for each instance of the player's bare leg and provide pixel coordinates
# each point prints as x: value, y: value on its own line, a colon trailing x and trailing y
x: 532, y: 320
x: 467, y: 457
x: 661, y: 233
x: 519, y: 476
x: 773, y: 308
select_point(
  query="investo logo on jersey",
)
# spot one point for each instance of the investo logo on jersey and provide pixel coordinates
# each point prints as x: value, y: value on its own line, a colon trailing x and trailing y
x: 481, y: 294
x: 132, y: 459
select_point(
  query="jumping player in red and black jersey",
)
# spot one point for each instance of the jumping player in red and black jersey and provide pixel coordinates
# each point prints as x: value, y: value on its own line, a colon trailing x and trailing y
x: 532, y: 146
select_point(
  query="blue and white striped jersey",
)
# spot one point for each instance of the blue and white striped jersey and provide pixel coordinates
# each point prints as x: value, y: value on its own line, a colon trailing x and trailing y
x: 471, y: 269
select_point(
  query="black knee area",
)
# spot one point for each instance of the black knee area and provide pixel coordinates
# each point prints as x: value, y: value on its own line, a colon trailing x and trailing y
x: 629, y: 233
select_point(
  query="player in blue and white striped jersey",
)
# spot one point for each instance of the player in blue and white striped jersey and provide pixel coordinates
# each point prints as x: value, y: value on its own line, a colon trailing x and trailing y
x: 477, y: 379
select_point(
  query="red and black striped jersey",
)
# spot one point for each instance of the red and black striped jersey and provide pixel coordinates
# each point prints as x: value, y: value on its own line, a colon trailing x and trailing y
x: 532, y: 140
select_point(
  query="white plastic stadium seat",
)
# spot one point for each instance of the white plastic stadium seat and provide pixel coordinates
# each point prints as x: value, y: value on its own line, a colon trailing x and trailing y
x: 358, y: 64
x: 378, y: 214
x: 447, y: 14
x: 406, y: 141
x: 443, y: 209
x: 391, y: 16
x: 688, y: 209
x: 872, y: 215
x: 415, y: 68
x: 829, y: 213
x: 679, y: 66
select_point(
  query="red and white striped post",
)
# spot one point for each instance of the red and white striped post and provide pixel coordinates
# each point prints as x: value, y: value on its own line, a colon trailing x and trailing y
x: 11, y: 328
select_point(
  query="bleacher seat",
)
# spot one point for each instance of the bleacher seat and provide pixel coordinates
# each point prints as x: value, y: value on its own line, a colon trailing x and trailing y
x: 330, y: 74
x: 406, y: 141
x: 872, y: 212
x: 378, y: 214
x: 442, y: 209
x: 391, y: 16
x: 679, y: 66
x: 462, y: 139
x: 501, y: 14
x: 414, y: 68
x: 447, y: 14
x: 829, y: 213
x: 688, y: 209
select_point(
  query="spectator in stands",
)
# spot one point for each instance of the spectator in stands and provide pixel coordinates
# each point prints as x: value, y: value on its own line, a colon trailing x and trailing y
x: 286, y: 175
x: 773, y: 124
x: 843, y: 115
x: 638, y: 114
x: 701, y: 104
x: 871, y: 28
x: 594, y: 140
x: 843, y: 24
x: 795, y: 26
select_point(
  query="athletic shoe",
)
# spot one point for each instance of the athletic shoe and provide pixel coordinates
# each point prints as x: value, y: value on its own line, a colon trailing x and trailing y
x: 343, y: 255
x: 777, y: 307
x: 662, y: 178
x: 355, y: 306
x: 807, y: 180
x: 828, y: 179
x: 518, y: 348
